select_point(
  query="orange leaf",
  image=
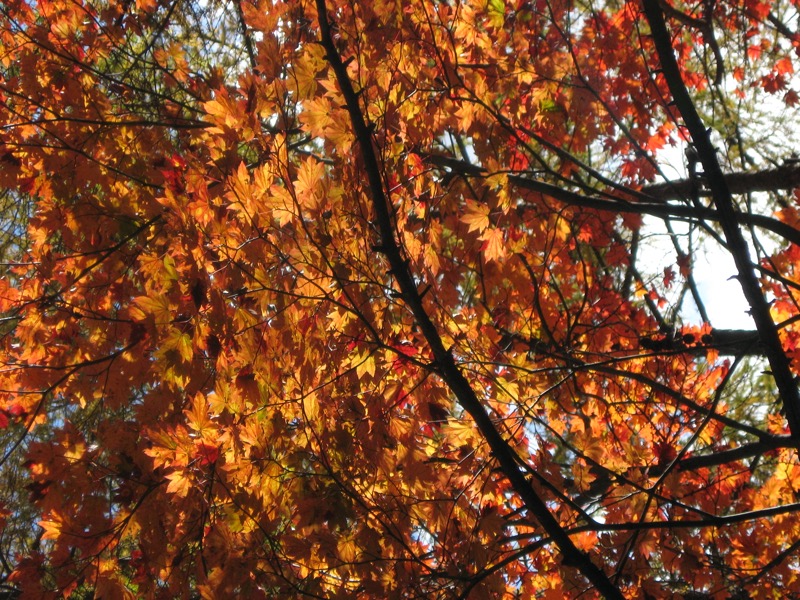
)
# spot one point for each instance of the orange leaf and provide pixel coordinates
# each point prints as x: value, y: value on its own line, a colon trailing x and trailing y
x: 493, y: 244
x: 476, y: 216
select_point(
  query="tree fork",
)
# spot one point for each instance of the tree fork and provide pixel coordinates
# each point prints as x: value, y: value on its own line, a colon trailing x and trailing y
x: 448, y: 370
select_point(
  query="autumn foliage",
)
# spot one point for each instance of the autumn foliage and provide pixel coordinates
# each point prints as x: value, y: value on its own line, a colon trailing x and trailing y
x: 338, y: 299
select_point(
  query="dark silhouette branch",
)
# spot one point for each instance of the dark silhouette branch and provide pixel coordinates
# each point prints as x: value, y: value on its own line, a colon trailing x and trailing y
x: 728, y: 217
x: 248, y: 42
x: 742, y: 452
x: 785, y: 177
x: 617, y: 205
x: 728, y: 342
x: 444, y: 362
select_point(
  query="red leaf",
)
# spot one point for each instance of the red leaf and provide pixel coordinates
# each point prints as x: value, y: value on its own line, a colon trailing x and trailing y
x: 205, y: 453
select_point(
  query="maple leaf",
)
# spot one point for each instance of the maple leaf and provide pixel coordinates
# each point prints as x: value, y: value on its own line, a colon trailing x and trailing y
x: 158, y: 306
x: 476, y: 216
x: 784, y: 66
x: 179, y: 483
x: 310, y: 175
x: 493, y: 244
x: 316, y: 116
x: 206, y: 454
x: 52, y: 527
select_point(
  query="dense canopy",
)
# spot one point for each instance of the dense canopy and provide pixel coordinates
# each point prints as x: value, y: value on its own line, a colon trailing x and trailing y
x: 398, y: 299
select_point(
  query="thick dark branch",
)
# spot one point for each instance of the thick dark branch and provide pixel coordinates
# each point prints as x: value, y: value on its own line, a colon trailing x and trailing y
x: 710, y: 521
x: 740, y: 453
x: 728, y: 342
x: 781, y: 27
x: 715, y: 179
x: 785, y: 177
x: 736, y: 342
x: 445, y: 363
x: 657, y: 209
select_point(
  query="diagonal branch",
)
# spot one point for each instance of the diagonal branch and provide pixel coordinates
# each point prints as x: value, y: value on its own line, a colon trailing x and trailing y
x: 728, y: 219
x: 445, y: 363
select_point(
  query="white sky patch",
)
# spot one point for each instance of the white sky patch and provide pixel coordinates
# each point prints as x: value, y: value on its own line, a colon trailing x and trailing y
x: 721, y: 292
x: 713, y: 267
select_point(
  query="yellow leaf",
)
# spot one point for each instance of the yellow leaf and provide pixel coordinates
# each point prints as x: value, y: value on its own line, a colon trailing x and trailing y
x: 262, y: 179
x: 316, y: 116
x: 460, y: 433
x: 282, y: 205
x: 310, y: 407
x: 499, y: 182
x: 198, y: 417
x: 308, y: 186
x: 156, y: 305
x: 476, y: 216
x: 496, y: 10
x: 52, y: 527
x: 178, y: 484
x: 494, y: 244
x: 594, y: 449
x: 348, y: 551
x: 431, y: 260
x: 169, y: 267
x: 365, y: 365
x: 178, y: 341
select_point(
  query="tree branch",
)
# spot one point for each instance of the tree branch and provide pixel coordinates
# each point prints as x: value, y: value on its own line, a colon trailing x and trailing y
x: 446, y: 364
x: 785, y: 177
x: 741, y: 452
x: 728, y: 218
x: 616, y: 205
x: 728, y: 342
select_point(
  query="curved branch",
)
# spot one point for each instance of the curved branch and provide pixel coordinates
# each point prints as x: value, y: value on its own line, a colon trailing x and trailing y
x: 445, y: 364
